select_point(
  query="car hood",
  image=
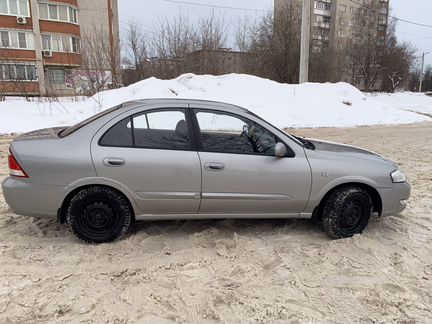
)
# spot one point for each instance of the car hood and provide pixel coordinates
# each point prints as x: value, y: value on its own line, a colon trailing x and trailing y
x: 332, y: 147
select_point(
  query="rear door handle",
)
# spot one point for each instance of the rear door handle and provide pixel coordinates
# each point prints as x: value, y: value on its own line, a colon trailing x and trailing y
x: 214, y: 166
x: 114, y: 162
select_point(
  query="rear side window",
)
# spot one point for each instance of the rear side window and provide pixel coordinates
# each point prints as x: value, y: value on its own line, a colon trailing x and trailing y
x: 119, y: 135
x: 166, y: 130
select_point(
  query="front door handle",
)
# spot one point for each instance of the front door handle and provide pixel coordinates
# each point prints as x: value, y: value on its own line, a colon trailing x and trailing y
x: 214, y: 166
x: 114, y: 162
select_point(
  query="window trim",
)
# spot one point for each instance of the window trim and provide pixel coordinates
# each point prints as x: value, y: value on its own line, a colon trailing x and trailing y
x: 187, y: 113
x: 70, y: 37
x: 19, y: 14
x: 68, y: 6
x: 15, y: 64
x: 19, y: 31
x: 200, y: 146
x: 72, y: 129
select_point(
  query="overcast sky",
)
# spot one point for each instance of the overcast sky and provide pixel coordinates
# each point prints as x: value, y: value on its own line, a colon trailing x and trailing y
x: 149, y: 12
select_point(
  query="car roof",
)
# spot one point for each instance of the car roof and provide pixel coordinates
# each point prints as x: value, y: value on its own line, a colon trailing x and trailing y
x: 162, y: 101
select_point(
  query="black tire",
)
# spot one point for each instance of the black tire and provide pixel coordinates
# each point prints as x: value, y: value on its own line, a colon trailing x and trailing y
x: 347, y: 212
x: 99, y: 215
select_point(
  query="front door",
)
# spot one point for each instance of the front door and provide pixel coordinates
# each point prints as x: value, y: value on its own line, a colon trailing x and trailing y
x: 153, y: 155
x: 240, y: 172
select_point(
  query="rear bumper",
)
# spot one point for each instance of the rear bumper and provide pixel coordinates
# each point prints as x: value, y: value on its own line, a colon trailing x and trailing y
x: 28, y: 199
x: 392, y: 198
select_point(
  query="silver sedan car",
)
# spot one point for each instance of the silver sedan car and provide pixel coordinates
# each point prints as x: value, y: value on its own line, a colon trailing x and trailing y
x: 191, y: 159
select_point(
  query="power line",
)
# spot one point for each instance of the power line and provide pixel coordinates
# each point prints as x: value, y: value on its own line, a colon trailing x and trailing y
x: 216, y: 6
x: 394, y: 17
x: 415, y: 35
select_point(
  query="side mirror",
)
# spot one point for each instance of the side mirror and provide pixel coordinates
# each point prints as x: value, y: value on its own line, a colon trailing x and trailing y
x: 280, y: 150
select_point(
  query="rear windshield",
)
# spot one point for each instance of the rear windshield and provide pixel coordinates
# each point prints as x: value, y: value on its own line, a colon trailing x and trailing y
x: 67, y: 131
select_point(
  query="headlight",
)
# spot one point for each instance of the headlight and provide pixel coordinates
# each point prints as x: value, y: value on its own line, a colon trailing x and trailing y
x: 398, y: 176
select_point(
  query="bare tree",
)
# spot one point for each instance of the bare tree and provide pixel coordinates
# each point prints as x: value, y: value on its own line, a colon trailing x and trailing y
x: 100, y: 60
x: 137, y: 53
x: 328, y: 65
x: 279, y: 38
x: 427, y: 79
x: 243, y: 34
x: 212, y: 32
x: 398, y: 61
x: 177, y: 46
x: 212, y: 55
x: 367, y: 46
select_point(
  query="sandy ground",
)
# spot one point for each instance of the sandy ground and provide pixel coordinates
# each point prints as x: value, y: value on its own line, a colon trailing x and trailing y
x: 232, y: 271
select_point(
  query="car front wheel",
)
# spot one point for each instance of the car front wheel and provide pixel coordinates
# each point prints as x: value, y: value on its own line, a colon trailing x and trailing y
x: 347, y: 212
x: 99, y: 215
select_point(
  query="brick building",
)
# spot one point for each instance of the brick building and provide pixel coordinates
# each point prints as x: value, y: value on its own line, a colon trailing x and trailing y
x: 332, y: 19
x: 332, y: 24
x: 41, y: 41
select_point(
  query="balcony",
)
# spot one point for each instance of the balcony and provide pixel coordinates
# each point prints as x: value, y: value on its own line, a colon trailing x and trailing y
x: 320, y: 37
x: 321, y: 25
x: 322, y: 12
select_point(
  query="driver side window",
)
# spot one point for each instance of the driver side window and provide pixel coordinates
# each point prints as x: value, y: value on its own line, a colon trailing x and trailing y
x: 225, y: 133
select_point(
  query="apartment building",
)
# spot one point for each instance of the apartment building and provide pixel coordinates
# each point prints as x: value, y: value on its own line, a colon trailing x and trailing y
x: 41, y: 40
x: 332, y: 19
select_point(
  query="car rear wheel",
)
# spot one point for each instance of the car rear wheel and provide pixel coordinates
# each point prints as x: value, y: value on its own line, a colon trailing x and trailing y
x: 99, y: 215
x: 347, y: 212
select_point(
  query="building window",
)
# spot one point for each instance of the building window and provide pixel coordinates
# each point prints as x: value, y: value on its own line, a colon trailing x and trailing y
x: 16, y: 40
x: 15, y: 8
x: 53, y: 12
x: 4, y: 39
x: 56, y: 76
x: 46, y: 42
x: 73, y: 15
x: 343, y: 8
x: 75, y: 45
x: 14, y: 72
x: 58, y: 13
x: 322, y: 6
x: 60, y: 43
x: 22, y: 40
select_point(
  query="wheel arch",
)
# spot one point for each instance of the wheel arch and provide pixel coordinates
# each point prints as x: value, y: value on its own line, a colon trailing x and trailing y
x: 61, y: 213
x: 373, y: 193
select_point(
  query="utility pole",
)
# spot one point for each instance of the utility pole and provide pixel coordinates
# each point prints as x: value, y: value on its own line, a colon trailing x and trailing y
x: 305, y: 40
x: 422, y: 71
x: 38, y: 48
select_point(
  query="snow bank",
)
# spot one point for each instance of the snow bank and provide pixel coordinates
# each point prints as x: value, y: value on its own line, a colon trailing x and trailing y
x: 306, y: 105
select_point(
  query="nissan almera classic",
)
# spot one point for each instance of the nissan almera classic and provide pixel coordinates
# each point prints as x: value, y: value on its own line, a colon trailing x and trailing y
x: 190, y: 159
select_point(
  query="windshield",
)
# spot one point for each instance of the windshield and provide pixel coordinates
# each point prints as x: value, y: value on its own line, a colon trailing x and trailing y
x: 67, y: 131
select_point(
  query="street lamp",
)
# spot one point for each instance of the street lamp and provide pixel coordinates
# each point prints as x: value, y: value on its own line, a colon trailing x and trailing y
x: 422, y: 71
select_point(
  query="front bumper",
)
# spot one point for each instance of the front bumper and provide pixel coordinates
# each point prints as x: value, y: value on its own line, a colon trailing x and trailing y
x: 27, y: 199
x: 394, y: 199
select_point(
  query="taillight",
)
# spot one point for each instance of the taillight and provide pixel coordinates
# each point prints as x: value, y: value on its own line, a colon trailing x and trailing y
x: 14, y: 167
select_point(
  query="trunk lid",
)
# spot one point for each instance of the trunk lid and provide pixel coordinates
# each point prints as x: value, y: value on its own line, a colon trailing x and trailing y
x: 40, y: 134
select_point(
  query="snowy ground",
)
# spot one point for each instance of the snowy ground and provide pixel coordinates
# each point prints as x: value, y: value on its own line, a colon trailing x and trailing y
x: 242, y: 271
x: 307, y: 105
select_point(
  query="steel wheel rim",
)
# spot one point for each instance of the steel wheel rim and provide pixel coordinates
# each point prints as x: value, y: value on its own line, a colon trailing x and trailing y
x: 98, y: 219
x: 352, y: 216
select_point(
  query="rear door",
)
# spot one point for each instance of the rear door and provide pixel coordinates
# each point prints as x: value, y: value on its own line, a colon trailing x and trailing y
x: 240, y: 172
x: 153, y: 155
